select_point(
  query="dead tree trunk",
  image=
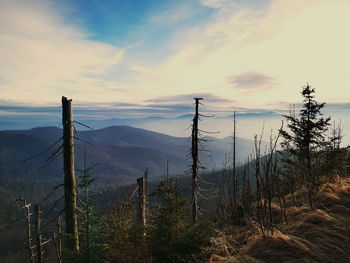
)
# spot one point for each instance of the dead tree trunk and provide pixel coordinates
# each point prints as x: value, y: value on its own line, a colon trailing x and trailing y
x: 39, y: 247
x: 235, y: 181
x: 69, y: 176
x: 145, y: 193
x: 244, y: 185
x: 194, y: 153
x: 167, y: 169
x: 58, y: 240
x: 146, y: 185
x: 259, y: 206
x: 141, y: 201
x: 29, y: 235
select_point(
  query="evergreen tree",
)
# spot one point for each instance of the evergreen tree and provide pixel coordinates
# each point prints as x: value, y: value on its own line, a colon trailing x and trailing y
x: 172, y: 235
x: 123, y: 236
x: 304, y: 142
x: 89, y: 227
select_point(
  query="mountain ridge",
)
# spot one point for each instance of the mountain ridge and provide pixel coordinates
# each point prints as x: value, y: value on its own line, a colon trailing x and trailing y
x: 122, y: 152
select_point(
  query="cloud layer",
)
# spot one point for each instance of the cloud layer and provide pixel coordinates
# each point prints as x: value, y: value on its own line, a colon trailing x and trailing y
x: 251, y: 81
x: 43, y: 59
x: 249, y: 54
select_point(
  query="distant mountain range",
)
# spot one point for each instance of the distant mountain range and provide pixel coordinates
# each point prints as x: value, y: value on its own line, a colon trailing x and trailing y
x: 121, y: 152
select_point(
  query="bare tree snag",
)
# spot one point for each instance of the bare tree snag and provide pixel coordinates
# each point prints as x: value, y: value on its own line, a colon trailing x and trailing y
x: 69, y: 176
x: 145, y: 191
x: 235, y: 181
x: 194, y: 153
x: 141, y: 201
x: 29, y: 236
x: 58, y: 240
x: 39, y: 247
x: 167, y: 169
x: 146, y: 182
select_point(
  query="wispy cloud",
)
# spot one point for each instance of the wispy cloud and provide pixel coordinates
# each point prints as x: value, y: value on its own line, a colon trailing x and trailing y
x: 174, y: 14
x: 271, y: 45
x: 252, y: 80
x: 44, y: 56
x: 211, y: 98
x: 41, y: 57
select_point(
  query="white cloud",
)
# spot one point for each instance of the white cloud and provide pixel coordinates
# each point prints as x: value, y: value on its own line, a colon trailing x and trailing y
x: 294, y: 41
x: 251, y: 81
x: 173, y: 14
x: 219, y: 4
x: 42, y: 58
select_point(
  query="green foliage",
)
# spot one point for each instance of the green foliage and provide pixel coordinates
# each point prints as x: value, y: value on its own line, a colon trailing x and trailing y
x: 123, y: 237
x: 304, y: 144
x: 89, y: 222
x: 90, y: 239
x: 307, y: 133
x: 172, y: 235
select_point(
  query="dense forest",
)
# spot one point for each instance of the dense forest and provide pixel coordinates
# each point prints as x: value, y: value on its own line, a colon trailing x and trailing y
x: 288, y: 202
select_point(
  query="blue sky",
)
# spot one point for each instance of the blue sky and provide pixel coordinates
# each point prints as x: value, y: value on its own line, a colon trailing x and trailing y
x: 147, y: 59
x: 145, y: 29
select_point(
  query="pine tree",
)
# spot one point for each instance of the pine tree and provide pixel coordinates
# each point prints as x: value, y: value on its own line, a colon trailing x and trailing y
x: 123, y: 235
x: 89, y: 222
x: 304, y: 141
x: 173, y: 237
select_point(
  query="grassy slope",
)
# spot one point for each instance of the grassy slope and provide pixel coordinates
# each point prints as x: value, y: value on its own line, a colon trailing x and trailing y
x: 322, y: 235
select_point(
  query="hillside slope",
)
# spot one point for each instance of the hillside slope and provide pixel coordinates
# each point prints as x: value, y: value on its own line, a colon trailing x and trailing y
x: 121, y: 152
x: 322, y: 235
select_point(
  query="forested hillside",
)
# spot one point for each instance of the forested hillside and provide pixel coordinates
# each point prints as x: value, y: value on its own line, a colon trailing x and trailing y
x: 288, y: 202
x: 121, y: 153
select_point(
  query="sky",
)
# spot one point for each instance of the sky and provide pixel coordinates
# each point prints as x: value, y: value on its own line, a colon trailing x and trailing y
x: 147, y: 59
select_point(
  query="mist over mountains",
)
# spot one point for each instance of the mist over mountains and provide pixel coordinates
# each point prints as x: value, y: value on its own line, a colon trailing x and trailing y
x: 122, y: 153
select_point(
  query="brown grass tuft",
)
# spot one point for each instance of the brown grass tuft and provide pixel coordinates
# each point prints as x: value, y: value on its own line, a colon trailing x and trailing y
x: 322, y: 235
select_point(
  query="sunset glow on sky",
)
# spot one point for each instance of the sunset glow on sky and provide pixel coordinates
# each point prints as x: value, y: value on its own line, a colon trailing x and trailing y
x: 150, y: 58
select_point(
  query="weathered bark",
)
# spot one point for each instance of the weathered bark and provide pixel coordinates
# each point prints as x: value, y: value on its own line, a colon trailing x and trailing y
x: 29, y: 235
x: 194, y: 152
x: 141, y: 201
x: 235, y: 181
x: 39, y: 246
x: 58, y: 240
x: 69, y: 176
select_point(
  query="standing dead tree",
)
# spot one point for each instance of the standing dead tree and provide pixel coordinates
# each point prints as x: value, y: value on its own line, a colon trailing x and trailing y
x: 224, y: 185
x: 266, y: 174
x: 246, y: 198
x: 69, y: 176
x: 257, y: 151
x: 270, y: 174
x: 145, y: 190
x: 39, y: 247
x: 141, y: 201
x: 196, y: 147
x: 29, y: 234
x: 195, y: 161
x: 58, y: 240
x: 235, y: 179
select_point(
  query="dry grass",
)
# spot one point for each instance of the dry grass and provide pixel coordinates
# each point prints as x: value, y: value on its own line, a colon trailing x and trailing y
x: 322, y: 235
